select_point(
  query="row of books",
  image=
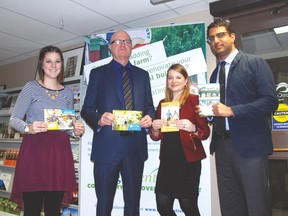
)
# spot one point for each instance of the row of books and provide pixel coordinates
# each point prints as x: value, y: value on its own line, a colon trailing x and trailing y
x: 7, y: 132
x: 8, y: 157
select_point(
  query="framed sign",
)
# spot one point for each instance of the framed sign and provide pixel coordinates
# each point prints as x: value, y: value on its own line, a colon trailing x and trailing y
x: 73, y: 63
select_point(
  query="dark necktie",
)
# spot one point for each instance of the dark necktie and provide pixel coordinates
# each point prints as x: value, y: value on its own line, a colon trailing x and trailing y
x: 127, y: 90
x: 220, y: 121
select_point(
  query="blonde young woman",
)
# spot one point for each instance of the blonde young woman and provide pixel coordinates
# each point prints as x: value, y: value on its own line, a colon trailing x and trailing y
x: 180, y: 152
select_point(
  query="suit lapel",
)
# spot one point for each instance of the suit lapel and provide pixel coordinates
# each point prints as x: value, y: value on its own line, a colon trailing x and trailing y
x: 135, y: 90
x: 111, y: 76
x: 213, y: 77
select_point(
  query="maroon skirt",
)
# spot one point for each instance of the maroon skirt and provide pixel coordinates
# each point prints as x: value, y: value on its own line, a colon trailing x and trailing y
x: 45, y: 163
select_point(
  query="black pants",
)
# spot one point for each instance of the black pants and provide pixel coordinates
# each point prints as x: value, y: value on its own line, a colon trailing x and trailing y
x: 165, y: 205
x: 50, y: 200
x: 243, y: 182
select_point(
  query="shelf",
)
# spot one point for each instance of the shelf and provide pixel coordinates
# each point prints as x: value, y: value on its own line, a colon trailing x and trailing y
x: 9, y: 91
x: 5, y: 112
x: 7, y: 214
x: 5, y: 166
x: 3, y: 191
x: 12, y: 141
x: 19, y: 141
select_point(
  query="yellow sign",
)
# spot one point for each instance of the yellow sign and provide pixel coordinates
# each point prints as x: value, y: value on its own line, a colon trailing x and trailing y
x: 281, y: 114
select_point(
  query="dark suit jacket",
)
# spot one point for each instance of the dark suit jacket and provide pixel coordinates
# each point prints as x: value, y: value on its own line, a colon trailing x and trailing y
x: 191, y: 143
x: 251, y: 93
x: 103, y: 96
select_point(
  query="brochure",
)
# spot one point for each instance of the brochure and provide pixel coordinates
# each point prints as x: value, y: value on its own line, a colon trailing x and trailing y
x: 59, y: 119
x: 127, y: 120
x: 209, y: 94
x: 169, y: 115
x: 5, y: 181
x: 69, y: 211
x: 76, y: 94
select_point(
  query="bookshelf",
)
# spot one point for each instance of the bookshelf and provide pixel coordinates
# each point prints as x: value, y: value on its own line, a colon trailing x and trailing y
x: 10, y: 142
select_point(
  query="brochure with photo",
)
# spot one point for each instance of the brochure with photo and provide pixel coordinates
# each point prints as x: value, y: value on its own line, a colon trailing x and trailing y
x: 169, y: 116
x: 59, y: 119
x: 127, y: 120
x: 209, y: 94
x: 76, y: 94
x: 69, y: 211
x: 5, y: 181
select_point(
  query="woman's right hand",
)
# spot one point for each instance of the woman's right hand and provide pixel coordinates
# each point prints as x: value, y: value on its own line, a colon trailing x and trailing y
x: 38, y: 127
x: 157, y: 124
x: 197, y: 109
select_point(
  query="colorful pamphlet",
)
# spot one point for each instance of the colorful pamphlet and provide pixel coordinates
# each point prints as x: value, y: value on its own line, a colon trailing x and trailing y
x: 5, y: 181
x: 59, y: 119
x: 169, y: 116
x: 69, y: 211
x: 209, y: 94
x: 127, y: 120
x: 76, y: 93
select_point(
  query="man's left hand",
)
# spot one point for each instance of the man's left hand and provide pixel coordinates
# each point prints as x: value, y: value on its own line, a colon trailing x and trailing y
x: 146, y: 121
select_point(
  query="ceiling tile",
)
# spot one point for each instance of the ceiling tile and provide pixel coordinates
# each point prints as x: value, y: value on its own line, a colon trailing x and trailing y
x: 27, y: 26
x: 17, y: 45
x: 127, y: 10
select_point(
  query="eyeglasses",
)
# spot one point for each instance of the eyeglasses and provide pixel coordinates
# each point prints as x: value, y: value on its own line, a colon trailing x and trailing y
x: 119, y: 41
x: 218, y: 35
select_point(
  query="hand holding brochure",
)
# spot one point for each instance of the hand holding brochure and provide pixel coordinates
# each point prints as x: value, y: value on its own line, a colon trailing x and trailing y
x: 169, y: 115
x: 209, y: 94
x: 59, y: 119
x: 127, y: 120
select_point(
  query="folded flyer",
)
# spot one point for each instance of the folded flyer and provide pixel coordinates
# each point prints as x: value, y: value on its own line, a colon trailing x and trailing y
x: 209, y: 94
x: 127, y: 120
x: 169, y: 116
x: 59, y: 119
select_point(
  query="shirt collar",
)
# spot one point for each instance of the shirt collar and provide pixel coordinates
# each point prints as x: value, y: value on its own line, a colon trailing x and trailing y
x: 118, y: 66
x: 230, y: 57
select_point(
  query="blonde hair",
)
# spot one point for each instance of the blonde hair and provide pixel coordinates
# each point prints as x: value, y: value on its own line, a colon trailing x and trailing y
x: 186, y: 92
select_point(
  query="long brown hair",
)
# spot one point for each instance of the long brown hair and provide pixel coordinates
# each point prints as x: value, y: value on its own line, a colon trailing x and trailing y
x: 42, y: 54
x: 184, y: 95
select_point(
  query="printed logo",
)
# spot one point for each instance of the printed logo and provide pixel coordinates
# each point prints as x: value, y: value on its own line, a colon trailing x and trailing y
x: 282, y: 90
